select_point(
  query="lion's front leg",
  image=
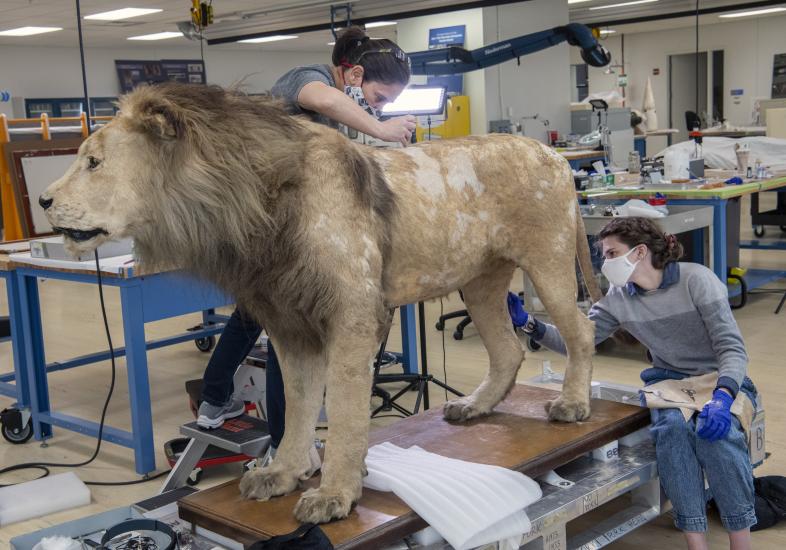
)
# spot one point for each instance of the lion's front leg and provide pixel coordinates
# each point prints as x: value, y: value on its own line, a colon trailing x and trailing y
x: 304, y: 385
x: 350, y: 351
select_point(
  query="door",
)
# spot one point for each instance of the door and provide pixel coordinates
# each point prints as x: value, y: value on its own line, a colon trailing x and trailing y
x: 685, y: 92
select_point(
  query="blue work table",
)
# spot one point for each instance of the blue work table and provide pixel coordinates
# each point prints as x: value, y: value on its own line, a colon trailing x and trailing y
x: 143, y: 299
x: 14, y: 384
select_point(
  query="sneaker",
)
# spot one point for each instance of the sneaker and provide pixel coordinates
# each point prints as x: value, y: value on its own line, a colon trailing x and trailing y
x: 314, y: 460
x: 267, y: 458
x: 212, y: 416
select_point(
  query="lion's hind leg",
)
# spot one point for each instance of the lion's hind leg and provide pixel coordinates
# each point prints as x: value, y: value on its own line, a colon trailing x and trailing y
x: 485, y: 298
x: 554, y: 279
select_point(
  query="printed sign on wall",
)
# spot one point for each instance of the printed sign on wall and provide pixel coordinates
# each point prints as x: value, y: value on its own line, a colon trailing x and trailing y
x: 445, y: 37
x: 132, y: 73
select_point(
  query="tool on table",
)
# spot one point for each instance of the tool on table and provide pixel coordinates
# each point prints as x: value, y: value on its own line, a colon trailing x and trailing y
x: 696, y: 163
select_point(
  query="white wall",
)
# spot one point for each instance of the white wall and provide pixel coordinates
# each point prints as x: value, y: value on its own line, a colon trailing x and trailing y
x: 55, y: 72
x: 542, y: 83
x: 749, y: 47
x: 413, y: 36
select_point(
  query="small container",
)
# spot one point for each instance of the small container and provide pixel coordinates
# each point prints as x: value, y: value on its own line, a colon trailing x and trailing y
x: 634, y: 162
x: 749, y: 173
x: 659, y: 203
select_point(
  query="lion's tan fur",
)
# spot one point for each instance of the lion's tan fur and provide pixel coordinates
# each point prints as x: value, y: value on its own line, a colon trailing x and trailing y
x: 319, y: 238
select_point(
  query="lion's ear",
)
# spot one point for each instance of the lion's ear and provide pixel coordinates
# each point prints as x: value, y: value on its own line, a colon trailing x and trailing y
x: 160, y: 120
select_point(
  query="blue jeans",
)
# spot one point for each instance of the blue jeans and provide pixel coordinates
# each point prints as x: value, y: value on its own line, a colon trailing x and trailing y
x: 684, y: 459
x: 237, y: 339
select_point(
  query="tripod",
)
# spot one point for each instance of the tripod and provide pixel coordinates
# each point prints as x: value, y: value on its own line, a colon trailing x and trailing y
x: 414, y: 382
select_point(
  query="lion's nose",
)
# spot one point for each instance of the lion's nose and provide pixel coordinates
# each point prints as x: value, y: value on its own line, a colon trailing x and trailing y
x: 45, y: 203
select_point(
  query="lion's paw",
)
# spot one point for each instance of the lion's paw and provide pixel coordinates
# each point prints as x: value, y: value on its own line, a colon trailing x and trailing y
x: 462, y: 409
x: 264, y: 483
x: 321, y: 506
x: 562, y: 410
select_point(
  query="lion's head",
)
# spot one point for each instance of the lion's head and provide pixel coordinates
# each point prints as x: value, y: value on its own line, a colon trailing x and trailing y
x: 179, y: 163
x: 106, y: 192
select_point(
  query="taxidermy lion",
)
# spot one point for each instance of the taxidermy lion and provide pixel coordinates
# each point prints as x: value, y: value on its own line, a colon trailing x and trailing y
x: 320, y: 238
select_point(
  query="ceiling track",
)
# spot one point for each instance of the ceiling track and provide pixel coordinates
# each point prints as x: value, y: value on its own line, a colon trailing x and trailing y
x: 364, y: 8
x: 687, y: 13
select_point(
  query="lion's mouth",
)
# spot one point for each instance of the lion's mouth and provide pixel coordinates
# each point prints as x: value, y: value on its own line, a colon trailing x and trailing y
x: 80, y: 235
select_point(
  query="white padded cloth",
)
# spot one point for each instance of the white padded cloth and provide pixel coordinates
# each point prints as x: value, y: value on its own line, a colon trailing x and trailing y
x: 719, y: 152
x: 43, y: 496
x: 468, y: 504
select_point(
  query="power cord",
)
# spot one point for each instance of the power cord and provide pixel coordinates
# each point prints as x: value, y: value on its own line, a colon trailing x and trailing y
x: 444, y: 353
x: 44, y: 466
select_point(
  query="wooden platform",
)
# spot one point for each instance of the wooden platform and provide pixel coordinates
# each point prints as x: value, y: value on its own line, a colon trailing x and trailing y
x: 516, y: 436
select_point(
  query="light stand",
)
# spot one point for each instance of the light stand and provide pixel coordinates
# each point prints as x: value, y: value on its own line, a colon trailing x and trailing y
x: 601, y: 106
x: 414, y: 382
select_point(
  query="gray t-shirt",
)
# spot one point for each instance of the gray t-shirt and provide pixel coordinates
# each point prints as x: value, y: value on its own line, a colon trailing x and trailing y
x: 289, y: 85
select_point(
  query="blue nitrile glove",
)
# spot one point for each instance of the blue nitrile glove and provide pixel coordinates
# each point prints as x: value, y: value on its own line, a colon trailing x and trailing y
x: 715, y: 418
x: 516, y: 310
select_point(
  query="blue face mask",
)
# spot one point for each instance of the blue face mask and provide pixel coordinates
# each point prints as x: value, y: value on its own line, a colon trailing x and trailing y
x: 356, y: 93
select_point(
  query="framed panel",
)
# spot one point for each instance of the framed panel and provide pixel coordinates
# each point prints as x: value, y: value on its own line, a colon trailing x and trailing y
x: 34, y: 166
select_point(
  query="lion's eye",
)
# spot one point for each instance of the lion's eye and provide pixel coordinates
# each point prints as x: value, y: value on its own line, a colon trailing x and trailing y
x: 92, y: 163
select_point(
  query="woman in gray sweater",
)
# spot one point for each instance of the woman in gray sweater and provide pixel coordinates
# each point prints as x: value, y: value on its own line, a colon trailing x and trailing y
x: 680, y: 312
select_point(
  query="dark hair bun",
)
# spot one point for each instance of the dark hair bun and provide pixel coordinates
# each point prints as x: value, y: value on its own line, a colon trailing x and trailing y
x: 382, y: 60
x: 350, y: 39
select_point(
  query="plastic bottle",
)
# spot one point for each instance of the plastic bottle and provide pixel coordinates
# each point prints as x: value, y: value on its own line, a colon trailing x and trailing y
x: 675, y: 164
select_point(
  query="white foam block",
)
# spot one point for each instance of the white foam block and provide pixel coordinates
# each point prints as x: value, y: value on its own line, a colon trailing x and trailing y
x: 41, y: 497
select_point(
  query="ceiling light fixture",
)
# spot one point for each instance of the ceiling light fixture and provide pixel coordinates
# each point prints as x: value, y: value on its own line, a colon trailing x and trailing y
x: 157, y: 36
x: 607, y: 31
x: 753, y: 12
x: 634, y: 3
x: 123, y: 13
x: 578, y: 1
x: 379, y: 24
x: 274, y: 38
x: 29, y: 31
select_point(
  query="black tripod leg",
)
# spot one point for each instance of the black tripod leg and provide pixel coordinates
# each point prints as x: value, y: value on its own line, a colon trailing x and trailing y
x: 422, y: 394
x: 442, y: 385
x: 423, y: 351
x: 780, y: 305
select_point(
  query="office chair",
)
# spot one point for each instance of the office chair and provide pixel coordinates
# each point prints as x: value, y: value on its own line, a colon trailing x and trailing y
x: 458, y: 334
x: 692, y: 121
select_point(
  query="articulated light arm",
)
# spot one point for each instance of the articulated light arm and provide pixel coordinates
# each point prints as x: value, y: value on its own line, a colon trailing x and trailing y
x: 455, y: 60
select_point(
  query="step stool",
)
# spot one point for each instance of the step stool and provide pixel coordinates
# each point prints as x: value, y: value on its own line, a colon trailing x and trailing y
x: 245, y: 435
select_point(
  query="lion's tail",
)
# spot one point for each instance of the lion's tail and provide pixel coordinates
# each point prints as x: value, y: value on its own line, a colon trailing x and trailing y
x: 585, y: 261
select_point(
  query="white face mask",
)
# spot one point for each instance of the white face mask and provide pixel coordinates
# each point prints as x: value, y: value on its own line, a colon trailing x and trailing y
x: 356, y: 93
x: 619, y: 270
